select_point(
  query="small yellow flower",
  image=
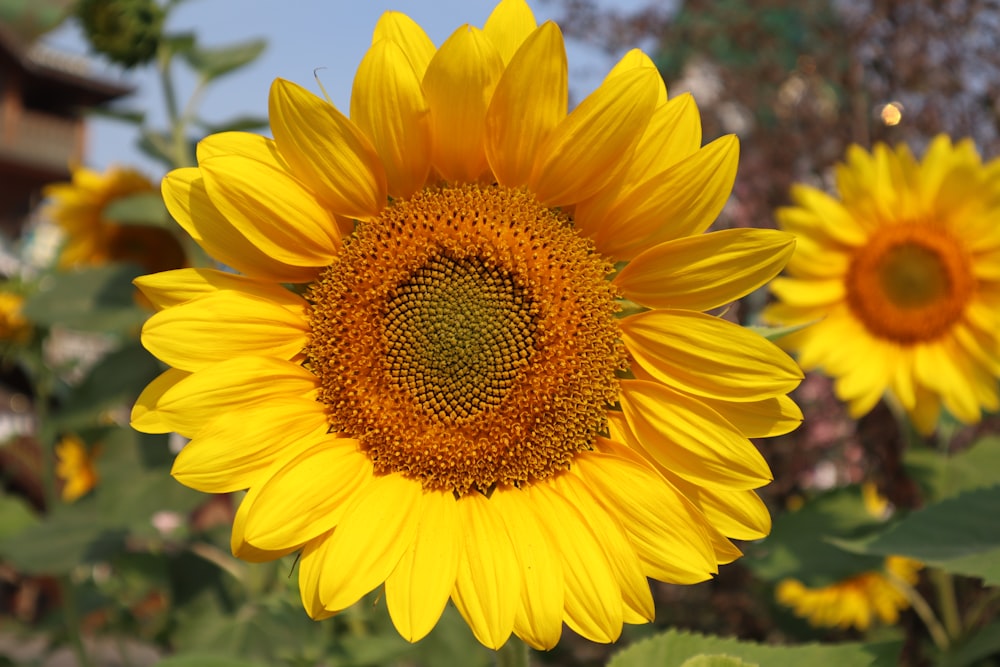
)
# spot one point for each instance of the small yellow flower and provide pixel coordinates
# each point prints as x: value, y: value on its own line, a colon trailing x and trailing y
x: 75, y: 467
x: 91, y: 239
x: 13, y: 325
x: 855, y: 602
x: 901, y: 276
x: 496, y: 382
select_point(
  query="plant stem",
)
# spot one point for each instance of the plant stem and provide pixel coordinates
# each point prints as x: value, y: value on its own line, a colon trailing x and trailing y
x: 947, y: 602
x: 924, y: 611
x: 72, y: 617
x: 515, y: 653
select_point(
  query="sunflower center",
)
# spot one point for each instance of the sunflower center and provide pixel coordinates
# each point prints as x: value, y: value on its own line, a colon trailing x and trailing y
x: 457, y: 334
x: 910, y: 283
x: 467, y: 338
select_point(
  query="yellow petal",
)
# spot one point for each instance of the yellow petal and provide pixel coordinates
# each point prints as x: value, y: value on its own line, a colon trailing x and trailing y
x: 236, y: 449
x: 681, y: 201
x: 244, y: 551
x: 307, y: 495
x: 593, y: 598
x: 172, y: 288
x: 401, y: 29
x: 666, y: 530
x: 636, y: 59
x: 145, y: 417
x: 234, y: 384
x: 242, y: 144
x: 674, y: 133
x: 222, y: 325
x: 538, y: 620
x: 418, y: 589
x: 529, y: 101
x: 620, y: 552
x: 708, y: 356
x: 311, y: 564
x: 187, y: 200
x: 459, y: 84
x: 760, y: 419
x: 723, y: 512
x: 272, y: 209
x: 508, y: 26
x: 388, y: 104
x: 705, y: 271
x: 327, y: 151
x: 690, y: 439
x: 371, y: 538
x: 587, y: 149
x: 488, y: 584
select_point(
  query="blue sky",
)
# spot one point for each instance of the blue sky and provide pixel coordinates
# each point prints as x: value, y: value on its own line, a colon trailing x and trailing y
x: 303, y: 35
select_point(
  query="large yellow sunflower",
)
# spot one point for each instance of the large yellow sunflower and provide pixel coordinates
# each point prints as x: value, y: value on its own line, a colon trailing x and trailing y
x: 902, y: 276
x: 428, y: 372
x: 854, y: 602
x: 91, y: 239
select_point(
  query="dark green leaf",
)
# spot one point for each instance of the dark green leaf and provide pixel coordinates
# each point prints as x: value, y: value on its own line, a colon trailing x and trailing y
x: 93, y: 299
x: 206, y: 660
x: 69, y: 536
x: 984, y: 643
x: 212, y: 63
x: 674, y: 648
x: 114, y: 380
x: 960, y: 535
x: 799, y: 544
x: 942, y: 476
x: 145, y: 209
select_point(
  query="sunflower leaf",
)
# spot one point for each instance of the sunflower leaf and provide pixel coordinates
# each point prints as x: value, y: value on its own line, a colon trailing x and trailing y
x: 675, y: 647
x: 141, y: 209
x: 800, y: 545
x: 960, y: 535
x: 775, y: 333
x: 92, y: 299
x: 212, y: 63
x: 942, y: 476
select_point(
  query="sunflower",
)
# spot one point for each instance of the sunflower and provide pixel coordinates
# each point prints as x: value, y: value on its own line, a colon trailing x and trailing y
x: 465, y: 354
x: 853, y: 602
x: 14, y: 327
x: 901, y: 276
x: 91, y: 239
x: 75, y: 467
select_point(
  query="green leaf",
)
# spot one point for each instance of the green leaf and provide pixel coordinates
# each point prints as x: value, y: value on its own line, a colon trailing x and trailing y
x: 133, y: 116
x: 114, y: 380
x: 800, y: 547
x: 158, y: 146
x: 68, y: 537
x: 716, y: 661
x: 93, y: 299
x: 774, y: 333
x: 942, y: 476
x: 675, y: 647
x: 212, y: 63
x: 984, y: 643
x: 15, y: 516
x: 145, y: 209
x: 959, y: 535
x: 206, y: 660
x: 238, y: 124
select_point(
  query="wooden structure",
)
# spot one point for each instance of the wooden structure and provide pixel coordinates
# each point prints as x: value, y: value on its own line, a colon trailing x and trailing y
x: 42, y: 98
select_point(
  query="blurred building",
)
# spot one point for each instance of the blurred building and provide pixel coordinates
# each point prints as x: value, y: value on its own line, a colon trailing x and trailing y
x: 43, y: 97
